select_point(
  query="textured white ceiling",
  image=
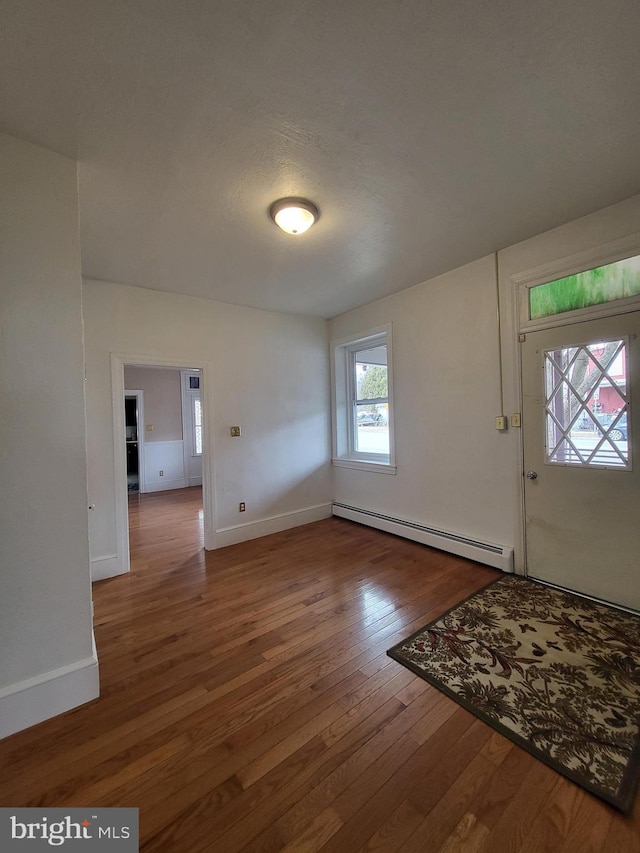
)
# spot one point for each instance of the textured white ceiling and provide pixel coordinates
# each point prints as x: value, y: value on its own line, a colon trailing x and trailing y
x: 428, y: 133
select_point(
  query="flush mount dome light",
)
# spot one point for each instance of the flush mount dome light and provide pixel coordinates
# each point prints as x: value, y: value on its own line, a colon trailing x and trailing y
x: 294, y: 215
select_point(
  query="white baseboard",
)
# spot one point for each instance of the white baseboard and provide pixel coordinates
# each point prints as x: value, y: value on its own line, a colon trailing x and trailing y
x: 275, y: 524
x: 195, y: 481
x: 498, y: 556
x: 164, y: 485
x: 30, y: 702
x: 106, y: 567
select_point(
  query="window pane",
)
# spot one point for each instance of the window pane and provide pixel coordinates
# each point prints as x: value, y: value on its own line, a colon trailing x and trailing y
x: 586, y: 405
x: 197, y: 425
x: 371, y: 374
x: 592, y: 287
x: 372, y: 428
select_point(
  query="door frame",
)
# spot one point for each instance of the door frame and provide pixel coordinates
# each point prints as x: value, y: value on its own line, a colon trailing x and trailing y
x: 118, y: 362
x: 515, y: 291
x: 139, y: 395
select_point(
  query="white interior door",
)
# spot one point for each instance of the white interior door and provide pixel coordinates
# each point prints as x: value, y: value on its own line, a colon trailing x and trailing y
x: 581, y: 419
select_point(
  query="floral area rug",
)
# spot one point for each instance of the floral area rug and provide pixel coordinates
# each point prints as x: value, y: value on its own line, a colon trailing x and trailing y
x: 557, y: 674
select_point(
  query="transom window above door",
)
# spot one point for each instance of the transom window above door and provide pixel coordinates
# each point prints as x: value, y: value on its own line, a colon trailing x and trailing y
x: 596, y: 286
x: 586, y: 405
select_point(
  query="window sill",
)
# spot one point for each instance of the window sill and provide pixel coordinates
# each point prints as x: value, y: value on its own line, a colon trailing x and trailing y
x: 363, y: 465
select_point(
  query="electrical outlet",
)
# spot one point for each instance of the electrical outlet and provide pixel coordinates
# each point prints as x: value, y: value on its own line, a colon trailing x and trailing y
x: 236, y: 432
x: 242, y: 506
x: 161, y: 473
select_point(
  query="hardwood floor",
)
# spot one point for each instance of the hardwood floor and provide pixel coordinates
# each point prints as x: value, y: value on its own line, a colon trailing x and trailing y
x: 248, y: 704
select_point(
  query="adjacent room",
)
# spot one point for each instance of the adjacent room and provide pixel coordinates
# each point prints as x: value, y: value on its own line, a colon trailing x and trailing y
x: 321, y: 354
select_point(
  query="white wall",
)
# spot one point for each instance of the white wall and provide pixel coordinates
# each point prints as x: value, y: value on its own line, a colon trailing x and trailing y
x: 47, y: 662
x: 162, y: 401
x: 451, y: 461
x: 168, y: 457
x: 266, y: 372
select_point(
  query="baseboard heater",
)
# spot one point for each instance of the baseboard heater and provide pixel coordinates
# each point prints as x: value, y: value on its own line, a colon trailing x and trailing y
x: 498, y: 556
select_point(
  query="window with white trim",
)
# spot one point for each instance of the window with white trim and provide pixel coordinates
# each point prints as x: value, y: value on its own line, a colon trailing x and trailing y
x: 363, y: 402
x: 196, y: 411
x: 192, y: 412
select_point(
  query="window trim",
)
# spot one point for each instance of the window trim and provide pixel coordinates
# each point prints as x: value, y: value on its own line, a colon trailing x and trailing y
x: 344, y: 401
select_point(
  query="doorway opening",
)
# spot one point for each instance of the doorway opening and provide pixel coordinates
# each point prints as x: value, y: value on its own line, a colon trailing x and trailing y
x: 164, y: 441
x: 133, y: 417
x: 161, y: 449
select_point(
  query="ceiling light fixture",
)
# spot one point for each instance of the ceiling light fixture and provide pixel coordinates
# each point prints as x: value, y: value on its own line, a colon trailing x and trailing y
x: 294, y: 215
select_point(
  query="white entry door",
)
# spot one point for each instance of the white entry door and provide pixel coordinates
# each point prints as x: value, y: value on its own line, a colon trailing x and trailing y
x: 581, y: 420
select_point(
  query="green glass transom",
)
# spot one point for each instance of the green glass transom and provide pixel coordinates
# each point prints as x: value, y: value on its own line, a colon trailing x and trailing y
x: 592, y: 287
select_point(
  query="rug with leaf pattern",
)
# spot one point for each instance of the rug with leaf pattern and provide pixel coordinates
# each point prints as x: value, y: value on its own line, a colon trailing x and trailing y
x: 557, y: 674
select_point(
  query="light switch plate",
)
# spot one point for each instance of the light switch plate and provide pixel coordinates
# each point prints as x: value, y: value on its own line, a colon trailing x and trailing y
x: 501, y: 422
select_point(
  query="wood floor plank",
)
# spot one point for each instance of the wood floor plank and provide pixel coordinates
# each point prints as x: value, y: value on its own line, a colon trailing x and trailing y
x: 359, y: 763
x: 475, y: 772
x: 553, y: 825
x: 590, y: 827
x: 363, y: 815
x: 393, y: 832
x: 274, y: 793
x: 513, y: 827
x: 469, y: 836
x: 247, y: 703
x: 510, y: 773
